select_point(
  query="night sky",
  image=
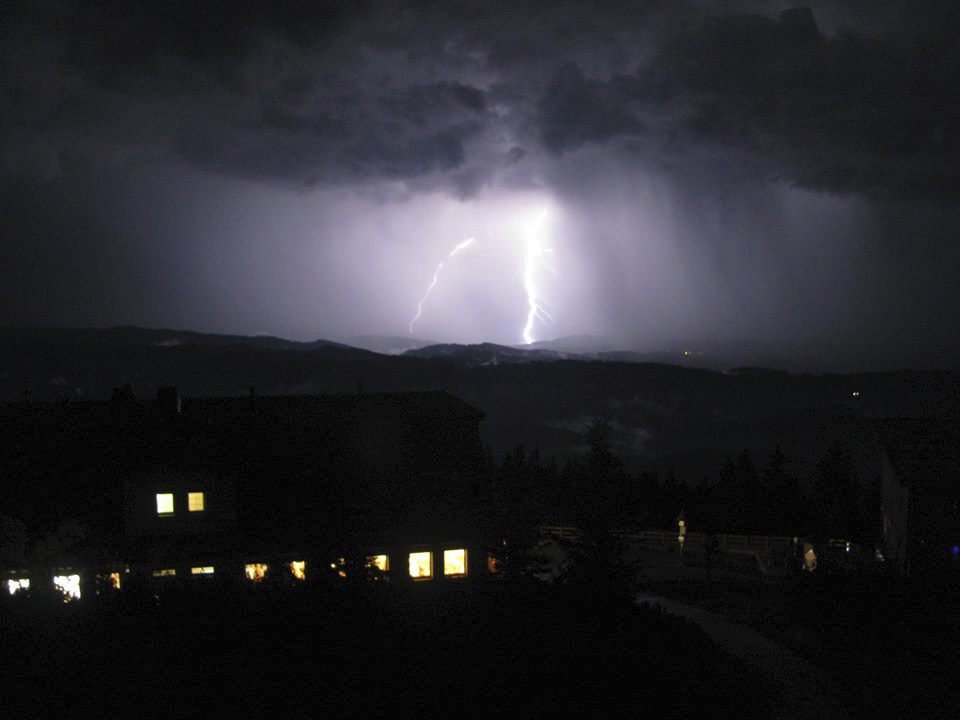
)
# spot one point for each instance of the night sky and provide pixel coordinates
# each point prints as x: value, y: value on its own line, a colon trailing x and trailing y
x: 667, y: 173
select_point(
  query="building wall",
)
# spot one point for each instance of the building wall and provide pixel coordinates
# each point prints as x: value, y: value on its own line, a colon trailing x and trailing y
x: 935, y: 522
x: 895, y: 506
x: 140, y: 505
x: 301, y: 474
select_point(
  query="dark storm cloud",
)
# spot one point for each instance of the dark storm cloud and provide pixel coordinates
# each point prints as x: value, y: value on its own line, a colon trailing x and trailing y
x: 121, y: 46
x: 575, y: 110
x: 248, y: 89
x: 849, y: 113
x: 710, y: 166
x: 313, y: 93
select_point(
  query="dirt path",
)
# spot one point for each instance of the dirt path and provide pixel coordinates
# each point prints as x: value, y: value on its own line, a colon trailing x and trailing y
x: 801, y: 689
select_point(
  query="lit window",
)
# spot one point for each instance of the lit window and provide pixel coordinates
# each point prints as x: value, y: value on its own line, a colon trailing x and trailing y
x: 377, y: 566
x: 165, y: 572
x: 494, y: 564
x: 69, y: 585
x: 421, y: 565
x: 205, y: 570
x: 110, y: 581
x: 298, y: 568
x: 18, y: 584
x: 455, y: 562
x: 164, y: 503
x: 380, y: 562
x: 255, y: 572
x: 195, y: 502
x: 340, y: 566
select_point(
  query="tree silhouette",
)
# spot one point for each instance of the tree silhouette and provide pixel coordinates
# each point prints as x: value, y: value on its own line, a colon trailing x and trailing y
x: 836, y: 495
x: 595, y: 569
x: 781, y: 500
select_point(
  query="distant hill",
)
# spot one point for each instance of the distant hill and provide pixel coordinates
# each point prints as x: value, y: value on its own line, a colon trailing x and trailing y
x: 63, y: 364
x: 387, y: 344
x: 132, y: 335
x: 487, y: 354
x: 614, y: 349
x: 548, y: 351
x: 663, y: 416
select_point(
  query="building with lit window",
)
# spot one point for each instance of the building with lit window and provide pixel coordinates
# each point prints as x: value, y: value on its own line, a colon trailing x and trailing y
x: 255, y: 488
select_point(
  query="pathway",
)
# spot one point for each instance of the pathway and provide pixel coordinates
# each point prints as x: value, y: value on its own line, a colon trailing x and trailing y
x: 801, y: 689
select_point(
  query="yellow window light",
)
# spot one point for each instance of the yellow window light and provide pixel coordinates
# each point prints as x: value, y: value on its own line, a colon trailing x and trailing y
x: 455, y: 562
x: 204, y: 570
x: 380, y: 562
x: 255, y: 572
x: 340, y: 566
x: 165, y: 572
x: 298, y: 568
x: 421, y: 565
x: 195, y: 502
x: 110, y: 580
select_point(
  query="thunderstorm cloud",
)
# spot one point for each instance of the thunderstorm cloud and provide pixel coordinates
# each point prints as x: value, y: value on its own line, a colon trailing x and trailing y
x: 746, y: 170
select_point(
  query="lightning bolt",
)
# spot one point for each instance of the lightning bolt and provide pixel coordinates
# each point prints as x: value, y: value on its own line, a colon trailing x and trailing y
x: 533, y: 259
x: 436, y: 276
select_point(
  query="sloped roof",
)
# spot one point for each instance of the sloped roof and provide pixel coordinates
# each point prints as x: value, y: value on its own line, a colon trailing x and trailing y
x: 423, y: 404
x: 426, y: 404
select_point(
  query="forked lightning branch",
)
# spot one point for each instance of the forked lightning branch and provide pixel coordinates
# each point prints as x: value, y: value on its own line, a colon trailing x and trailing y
x: 534, y: 262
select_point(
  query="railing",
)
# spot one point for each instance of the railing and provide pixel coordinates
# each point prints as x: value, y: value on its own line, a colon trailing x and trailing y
x: 666, y: 538
x: 560, y: 532
x: 768, y: 550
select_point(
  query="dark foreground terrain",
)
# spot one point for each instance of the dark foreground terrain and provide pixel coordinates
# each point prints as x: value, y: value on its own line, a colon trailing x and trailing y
x: 511, y: 647
x: 887, y: 645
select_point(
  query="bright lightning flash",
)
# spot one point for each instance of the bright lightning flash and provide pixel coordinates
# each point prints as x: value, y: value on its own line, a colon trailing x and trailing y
x: 436, y: 275
x: 534, y: 259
